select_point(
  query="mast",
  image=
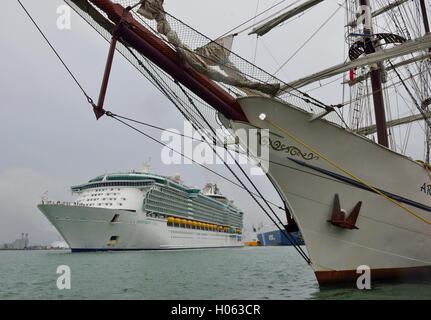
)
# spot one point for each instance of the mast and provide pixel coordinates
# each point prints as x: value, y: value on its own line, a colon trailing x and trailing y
x: 424, y: 105
x: 376, y: 84
x: 376, y: 13
x: 425, y: 17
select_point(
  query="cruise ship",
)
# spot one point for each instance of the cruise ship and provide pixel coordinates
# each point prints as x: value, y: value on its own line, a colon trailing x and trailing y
x: 145, y: 211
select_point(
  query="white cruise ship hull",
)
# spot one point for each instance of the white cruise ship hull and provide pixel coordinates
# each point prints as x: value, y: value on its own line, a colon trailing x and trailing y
x: 391, y: 241
x: 91, y: 229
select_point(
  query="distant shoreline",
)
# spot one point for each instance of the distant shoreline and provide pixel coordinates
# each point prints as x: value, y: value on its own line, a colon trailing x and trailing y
x: 29, y: 249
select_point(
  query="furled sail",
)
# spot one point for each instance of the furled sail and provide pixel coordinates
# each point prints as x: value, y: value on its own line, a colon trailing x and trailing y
x: 407, y: 47
x: 215, y: 53
x: 268, y: 26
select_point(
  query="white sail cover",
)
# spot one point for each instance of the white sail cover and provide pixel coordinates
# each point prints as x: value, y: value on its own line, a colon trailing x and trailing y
x: 268, y: 26
x: 215, y: 53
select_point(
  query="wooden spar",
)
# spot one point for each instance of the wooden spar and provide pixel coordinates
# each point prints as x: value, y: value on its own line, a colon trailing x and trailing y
x: 268, y: 26
x: 408, y: 47
x: 146, y: 43
x: 379, y: 108
x: 98, y: 110
x: 397, y: 122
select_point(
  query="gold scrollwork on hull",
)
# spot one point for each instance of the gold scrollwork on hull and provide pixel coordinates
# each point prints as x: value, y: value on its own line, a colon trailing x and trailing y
x: 291, y: 150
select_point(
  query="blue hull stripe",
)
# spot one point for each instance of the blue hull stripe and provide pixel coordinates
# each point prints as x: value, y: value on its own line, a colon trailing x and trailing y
x: 361, y: 186
x: 143, y: 249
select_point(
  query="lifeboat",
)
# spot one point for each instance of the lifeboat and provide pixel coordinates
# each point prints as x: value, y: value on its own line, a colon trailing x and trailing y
x: 171, y: 219
x: 177, y: 221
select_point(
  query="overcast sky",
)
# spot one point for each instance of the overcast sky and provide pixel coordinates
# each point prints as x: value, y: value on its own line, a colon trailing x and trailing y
x: 49, y: 138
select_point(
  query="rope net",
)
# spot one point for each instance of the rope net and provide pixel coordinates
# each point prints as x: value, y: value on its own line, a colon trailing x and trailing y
x: 194, y: 43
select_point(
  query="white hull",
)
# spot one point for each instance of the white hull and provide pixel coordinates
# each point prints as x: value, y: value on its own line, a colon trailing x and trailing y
x: 90, y: 229
x: 389, y: 239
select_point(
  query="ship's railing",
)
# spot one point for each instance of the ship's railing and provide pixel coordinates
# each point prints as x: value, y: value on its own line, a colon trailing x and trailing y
x: 63, y: 203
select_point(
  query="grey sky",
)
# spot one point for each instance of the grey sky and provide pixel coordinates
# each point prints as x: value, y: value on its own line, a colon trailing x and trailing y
x: 49, y: 138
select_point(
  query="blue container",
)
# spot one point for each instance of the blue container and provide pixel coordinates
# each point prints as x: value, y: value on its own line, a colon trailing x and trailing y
x: 276, y: 238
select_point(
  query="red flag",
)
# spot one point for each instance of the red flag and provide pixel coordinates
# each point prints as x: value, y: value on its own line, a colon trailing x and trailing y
x: 352, y: 75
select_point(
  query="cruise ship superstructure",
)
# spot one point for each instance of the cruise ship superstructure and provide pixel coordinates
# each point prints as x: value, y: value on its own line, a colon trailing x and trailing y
x: 140, y: 210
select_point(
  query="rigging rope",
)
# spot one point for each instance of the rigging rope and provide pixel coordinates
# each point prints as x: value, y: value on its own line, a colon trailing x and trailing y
x: 295, y: 245
x: 303, y: 95
x: 90, y: 101
x: 254, y: 18
x: 308, y: 40
x: 114, y: 116
x: 118, y: 118
x: 193, y: 124
x: 252, y: 194
x: 427, y: 121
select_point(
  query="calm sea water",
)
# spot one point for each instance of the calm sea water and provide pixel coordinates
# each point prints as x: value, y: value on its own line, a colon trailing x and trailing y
x: 244, y: 273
